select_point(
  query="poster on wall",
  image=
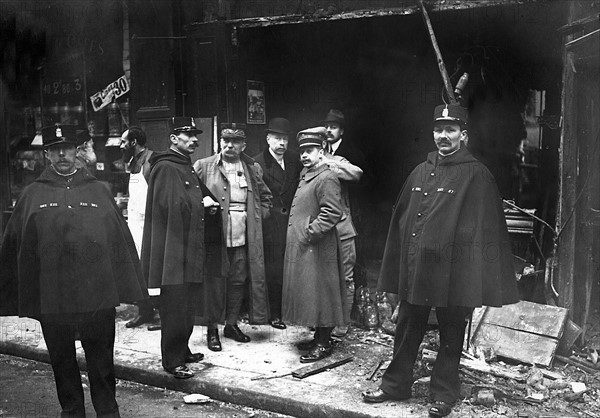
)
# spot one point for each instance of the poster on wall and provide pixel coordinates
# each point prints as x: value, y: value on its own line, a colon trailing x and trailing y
x: 256, y: 113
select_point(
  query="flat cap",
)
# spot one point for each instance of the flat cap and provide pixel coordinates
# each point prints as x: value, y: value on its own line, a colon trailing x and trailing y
x: 233, y: 130
x: 312, y: 137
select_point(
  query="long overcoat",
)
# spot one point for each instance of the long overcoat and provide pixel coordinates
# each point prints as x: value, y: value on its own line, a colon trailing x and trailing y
x: 447, y: 243
x: 313, y: 278
x: 182, y: 243
x: 283, y: 184
x: 67, y: 250
x: 258, y: 203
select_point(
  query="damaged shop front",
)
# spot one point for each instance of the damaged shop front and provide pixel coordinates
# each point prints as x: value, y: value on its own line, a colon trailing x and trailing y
x: 377, y: 66
x: 232, y: 61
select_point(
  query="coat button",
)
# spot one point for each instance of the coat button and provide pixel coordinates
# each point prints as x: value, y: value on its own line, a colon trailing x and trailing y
x: 419, y: 214
x: 432, y: 174
x: 197, y: 187
x: 223, y: 198
x: 224, y: 187
x: 425, y: 194
x: 68, y: 188
x: 70, y: 207
x: 290, y: 224
x: 414, y: 234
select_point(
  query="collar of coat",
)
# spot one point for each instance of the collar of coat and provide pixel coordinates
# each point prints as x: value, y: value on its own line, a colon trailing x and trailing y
x: 243, y: 157
x: 171, y: 156
x: 308, y: 174
x: 80, y: 176
x: 459, y: 157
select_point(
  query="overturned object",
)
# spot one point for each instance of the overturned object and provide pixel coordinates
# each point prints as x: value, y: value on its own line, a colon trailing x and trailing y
x: 525, y: 331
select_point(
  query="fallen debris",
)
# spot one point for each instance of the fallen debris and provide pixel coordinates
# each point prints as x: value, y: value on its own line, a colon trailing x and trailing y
x: 196, y: 398
x: 320, y: 366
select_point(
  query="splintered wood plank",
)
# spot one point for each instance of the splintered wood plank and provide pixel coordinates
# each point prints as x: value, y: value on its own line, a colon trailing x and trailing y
x: 321, y: 365
x: 529, y: 317
x: 517, y: 345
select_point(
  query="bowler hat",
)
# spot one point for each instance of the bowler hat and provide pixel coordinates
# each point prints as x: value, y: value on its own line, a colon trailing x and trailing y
x: 59, y: 134
x: 312, y: 137
x: 184, y: 124
x: 233, y: 130
x: 451, y: 112
x: 279, y: 126
x: 335, y: 116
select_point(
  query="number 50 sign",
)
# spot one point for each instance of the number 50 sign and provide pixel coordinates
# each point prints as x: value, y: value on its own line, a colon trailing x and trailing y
x: 114, y: 90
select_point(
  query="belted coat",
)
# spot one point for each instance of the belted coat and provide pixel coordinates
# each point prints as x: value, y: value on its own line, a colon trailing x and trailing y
x: 258, y: 203
x: 313, y: 279
x: 447, y: 243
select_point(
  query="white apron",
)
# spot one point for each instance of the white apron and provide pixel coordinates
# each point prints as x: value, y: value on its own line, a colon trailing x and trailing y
x: 138, y: 188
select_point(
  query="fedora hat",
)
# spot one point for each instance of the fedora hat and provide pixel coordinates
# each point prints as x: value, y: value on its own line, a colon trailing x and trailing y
x: 335, y: 116
x: 279, y: 126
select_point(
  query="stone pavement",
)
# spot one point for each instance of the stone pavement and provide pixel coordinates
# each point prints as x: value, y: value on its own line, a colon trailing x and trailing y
x: 227, y: 375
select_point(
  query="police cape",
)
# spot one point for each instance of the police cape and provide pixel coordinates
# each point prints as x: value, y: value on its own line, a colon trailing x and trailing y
x: 67, y: 250
x: 447, y: 243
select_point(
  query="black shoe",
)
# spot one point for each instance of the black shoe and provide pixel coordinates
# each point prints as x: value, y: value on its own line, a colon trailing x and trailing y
x: 155, y: 325
x: 235, y: 333
x: 181, y: 372
x: 212, y: 340
x: 278, y: 323
x: 138, y: 320
x: 194, y: 358
x: 319, y: 352
x: 440, y: 409
x: 306, y: 345
x: 378, y: 396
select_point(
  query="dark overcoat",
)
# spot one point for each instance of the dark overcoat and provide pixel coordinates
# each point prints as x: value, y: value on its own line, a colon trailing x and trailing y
x: 313, y: 279
x: 178, y: 246
x: 258, y: 202
x: 67, y: 250
x: 283, y: 184
x: 447, y: 243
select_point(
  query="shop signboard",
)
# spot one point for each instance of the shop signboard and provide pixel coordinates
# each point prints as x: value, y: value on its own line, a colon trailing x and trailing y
x: 111, y: 92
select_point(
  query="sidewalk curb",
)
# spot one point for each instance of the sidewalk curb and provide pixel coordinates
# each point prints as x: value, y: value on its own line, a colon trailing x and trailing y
x: 226, y: 392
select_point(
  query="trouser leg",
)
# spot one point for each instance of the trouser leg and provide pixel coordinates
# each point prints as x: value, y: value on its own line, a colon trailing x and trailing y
x: 410, y: 330
x: 275, y: 290
x: 323, y: 335
x: 60, y: 341
x: 348, y: 262
x: 445, y: 382
x: 236, y: 283
x: 98, y: 339
x: 177, y: 325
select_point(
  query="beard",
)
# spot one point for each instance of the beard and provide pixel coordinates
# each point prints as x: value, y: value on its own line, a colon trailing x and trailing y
x: 127, y: 154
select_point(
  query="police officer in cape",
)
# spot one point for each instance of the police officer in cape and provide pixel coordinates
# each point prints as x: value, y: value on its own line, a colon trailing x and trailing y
x: 68, y: 259
x: 182, y: 256
x: 447, y: 247
x: 281, y: 170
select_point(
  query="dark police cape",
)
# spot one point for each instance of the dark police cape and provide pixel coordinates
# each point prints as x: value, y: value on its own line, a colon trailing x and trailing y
x: 67, y: 250
x: 182, y: 244
x: 447, y: 243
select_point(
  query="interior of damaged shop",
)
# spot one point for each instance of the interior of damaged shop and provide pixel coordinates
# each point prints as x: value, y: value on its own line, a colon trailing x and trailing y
x: 382, y: 72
